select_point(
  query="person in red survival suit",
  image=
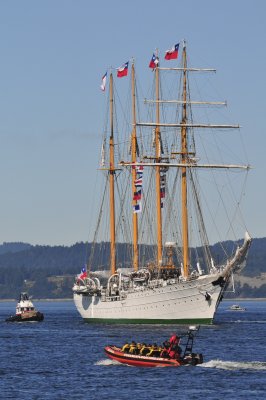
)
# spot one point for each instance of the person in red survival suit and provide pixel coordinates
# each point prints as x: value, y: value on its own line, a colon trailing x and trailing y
x: 174, y: 350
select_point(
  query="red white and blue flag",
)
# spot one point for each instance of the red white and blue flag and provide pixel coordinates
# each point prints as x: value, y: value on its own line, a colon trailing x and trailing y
x: 139, y: 171
x: 139, y: 174
x: 137, y: 167
x: 122, y: 71
x: 138, y: 183
x: 154, y: 62
x: 104, y: 82
x: 83, y: 273
x: 172, y: 53
x: 162, y: 192
x: 162, y: 186
x: 137, y: 195
x: 137, y: 208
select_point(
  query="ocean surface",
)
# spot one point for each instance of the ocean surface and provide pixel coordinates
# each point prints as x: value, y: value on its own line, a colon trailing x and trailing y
x: 63, y: 358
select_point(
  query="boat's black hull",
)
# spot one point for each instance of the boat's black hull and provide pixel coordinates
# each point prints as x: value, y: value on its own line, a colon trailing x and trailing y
x: 38, y: 317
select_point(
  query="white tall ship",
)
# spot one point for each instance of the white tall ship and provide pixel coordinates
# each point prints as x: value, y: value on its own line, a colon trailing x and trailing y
x: 162, y: 268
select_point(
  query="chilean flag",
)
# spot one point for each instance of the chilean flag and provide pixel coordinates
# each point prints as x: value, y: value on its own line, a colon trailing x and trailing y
x: 83, y: 273
x: 154, y: 62
x: 172, y: 53
x: 122, y: 71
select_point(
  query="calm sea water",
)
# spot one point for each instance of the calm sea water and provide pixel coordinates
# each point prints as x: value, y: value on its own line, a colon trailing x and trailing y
x: 63, y: 358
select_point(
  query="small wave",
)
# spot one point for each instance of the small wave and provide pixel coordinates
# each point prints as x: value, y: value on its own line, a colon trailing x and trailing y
x: 107, y: 362
x: 234, y: 365
x: 239, y: 321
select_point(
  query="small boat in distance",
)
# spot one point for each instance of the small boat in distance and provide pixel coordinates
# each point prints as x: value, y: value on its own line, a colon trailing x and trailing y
x: 168, y: 355
x: 25, y: 311
x: 236, y: 307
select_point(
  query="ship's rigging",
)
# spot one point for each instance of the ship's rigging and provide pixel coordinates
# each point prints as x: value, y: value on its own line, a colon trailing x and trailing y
x: 170, y: 145
x: 157, y: 195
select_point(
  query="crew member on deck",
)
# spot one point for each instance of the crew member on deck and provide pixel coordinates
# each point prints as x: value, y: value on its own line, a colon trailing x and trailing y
x: 144, y: 350
x: 154, y: 351
x: 133, y: 347
x: 126, y: 348
x: 174, y: 350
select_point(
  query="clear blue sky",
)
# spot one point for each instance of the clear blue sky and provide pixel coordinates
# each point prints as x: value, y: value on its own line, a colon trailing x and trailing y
x: 53, y: 54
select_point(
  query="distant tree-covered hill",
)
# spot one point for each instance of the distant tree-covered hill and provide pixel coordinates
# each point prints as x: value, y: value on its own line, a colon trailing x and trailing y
x: 13, y: 247
x: 49, y: 271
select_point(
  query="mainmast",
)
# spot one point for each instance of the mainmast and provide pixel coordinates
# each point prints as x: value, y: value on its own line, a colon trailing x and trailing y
x: 111, y: 182
x: 184, y: 155
x: 157, y: 170
x: 134, y: 171
x: 185, y: 162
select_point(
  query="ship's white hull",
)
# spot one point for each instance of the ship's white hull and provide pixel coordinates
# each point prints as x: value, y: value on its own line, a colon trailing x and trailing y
x: 183, y: 302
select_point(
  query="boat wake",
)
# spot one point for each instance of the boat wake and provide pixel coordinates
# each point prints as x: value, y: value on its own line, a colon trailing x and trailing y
x: 107, y: 362
x: 234, y: 365
x: 219, y: 364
